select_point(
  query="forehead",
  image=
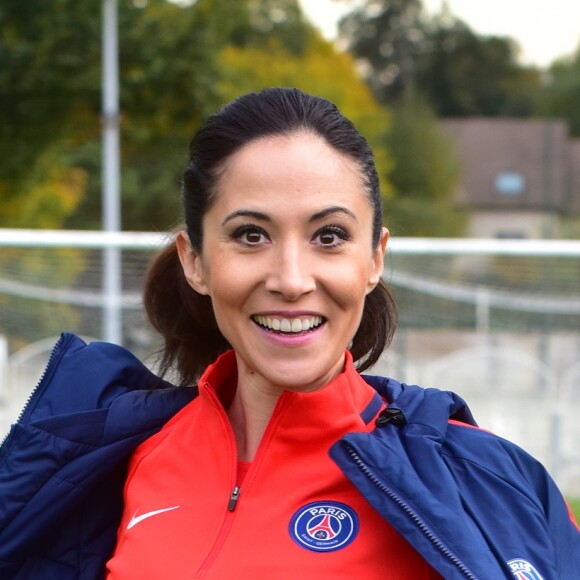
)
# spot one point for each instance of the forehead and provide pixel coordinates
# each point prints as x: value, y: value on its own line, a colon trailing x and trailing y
x: 300, y: 168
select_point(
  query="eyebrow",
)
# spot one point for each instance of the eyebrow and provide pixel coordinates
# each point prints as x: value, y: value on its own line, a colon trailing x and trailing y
x: 332, y: 210
x: 266, y: 218
x: 258, y: 215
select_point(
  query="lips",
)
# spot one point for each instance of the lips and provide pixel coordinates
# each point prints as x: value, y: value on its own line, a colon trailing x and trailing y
x: 295, y: 325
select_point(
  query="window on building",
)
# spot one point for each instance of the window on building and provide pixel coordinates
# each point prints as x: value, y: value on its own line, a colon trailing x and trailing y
x: 509, y: 184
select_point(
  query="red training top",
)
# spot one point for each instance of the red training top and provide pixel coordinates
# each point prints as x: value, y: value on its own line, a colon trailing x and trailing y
x: 295, y: 515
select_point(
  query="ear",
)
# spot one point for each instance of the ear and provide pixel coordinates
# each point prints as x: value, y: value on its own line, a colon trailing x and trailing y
x: 191, y: 263
x: 378, y: 261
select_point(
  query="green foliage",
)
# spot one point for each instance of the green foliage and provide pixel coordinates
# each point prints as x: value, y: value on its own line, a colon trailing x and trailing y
x: 460, y: 73
x: 426, y: 166
x: 41, y: 197
x: 561, y: 94
x: 44, y: 80
x: 261, y: 21
x: 407, y: 216
x: 424, y: 175
x: 385, y: 37
x: 178, y: 62
x: 169, y: 74
x: 319, y: 70
x: 50, y: 74
x: 465, y: 74
x: 44, y: 92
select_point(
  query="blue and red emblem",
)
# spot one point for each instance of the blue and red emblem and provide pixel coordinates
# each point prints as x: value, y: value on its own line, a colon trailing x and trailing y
x: 324, y: 526
x: 523, y: 570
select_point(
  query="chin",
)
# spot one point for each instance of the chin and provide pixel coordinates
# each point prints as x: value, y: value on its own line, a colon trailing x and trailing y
x: 289, y: 379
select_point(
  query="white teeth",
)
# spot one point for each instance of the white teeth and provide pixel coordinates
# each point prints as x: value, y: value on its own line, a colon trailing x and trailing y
x: 294, y: 325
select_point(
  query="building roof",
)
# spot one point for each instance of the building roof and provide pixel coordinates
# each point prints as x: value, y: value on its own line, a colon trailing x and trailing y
x: 516, y: 164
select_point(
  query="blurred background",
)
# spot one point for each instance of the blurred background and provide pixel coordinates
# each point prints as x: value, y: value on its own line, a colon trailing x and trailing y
x: 472, y: 110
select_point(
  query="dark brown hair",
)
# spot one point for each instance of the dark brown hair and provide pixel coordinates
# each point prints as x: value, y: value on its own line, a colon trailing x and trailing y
x: 185, y: 318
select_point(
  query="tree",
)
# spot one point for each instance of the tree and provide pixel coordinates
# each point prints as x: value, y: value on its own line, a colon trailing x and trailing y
x: 50, y: 74
x: 173, y: 73
x: 261, y: 21
x: 169, y: 75
x: 424, y: 176
x: 465, y: 74
x: 461, y: 73
x: 319, y: 70
x: 43, y: 85
x: 390, y: 38
x: 385, y: 37
x: 560, y: 96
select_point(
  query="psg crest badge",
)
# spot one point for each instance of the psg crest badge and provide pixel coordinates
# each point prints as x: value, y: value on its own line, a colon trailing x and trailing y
x: 523, y: 570
x: 324, y: 526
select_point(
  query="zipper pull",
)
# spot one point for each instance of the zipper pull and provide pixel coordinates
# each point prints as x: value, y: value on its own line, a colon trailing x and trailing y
x: 234, y: 499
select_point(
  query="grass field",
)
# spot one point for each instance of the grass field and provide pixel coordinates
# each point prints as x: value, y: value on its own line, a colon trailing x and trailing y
x: 575, y: 505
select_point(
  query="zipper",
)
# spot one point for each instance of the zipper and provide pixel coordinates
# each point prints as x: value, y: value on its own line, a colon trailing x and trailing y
x: 234, y: 499
x: 55, y: 355
x: 222, y: 536
x: 423, y: 527
x: 229, y: 516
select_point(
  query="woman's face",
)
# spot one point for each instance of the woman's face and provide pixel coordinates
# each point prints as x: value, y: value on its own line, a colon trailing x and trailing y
x: 287, y: 259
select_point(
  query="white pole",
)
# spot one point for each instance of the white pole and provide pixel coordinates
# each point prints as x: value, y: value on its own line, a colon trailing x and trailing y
x: 112, y: 285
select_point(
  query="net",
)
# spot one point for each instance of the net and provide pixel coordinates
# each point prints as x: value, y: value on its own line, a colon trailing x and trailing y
x: 496, y: 321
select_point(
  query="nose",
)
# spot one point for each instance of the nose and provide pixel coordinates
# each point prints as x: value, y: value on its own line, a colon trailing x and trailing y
x: 291, y: 272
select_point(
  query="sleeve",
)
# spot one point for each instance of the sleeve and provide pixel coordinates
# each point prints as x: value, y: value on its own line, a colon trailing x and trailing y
x: 561, y: 526
x: 516, y: 503
x: 564, y: 531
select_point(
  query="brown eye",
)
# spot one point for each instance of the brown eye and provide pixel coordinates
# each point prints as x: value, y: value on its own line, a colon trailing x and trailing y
x: 253, y: 237
x: 331, y: 236
x: 327, y: 239
x: 250, y: 235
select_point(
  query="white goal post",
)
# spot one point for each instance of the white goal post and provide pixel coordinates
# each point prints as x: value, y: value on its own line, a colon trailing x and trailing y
x: 498, y: 321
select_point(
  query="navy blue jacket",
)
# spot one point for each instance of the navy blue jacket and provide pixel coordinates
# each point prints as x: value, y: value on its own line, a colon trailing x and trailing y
x: 473, y: 504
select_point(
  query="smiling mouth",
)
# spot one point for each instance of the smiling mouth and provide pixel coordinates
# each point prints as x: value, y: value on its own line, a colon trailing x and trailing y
x: 288, y: 325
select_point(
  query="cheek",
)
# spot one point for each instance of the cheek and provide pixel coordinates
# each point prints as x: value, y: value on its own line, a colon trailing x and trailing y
x: 350, y: 286
x: 228, y: 283
x: 225, y: 292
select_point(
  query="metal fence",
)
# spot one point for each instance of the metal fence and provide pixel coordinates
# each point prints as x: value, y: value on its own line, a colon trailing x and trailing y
x: 497, y: 321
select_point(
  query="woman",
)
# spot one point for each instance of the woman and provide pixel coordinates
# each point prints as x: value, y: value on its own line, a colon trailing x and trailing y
x: 284, y: 462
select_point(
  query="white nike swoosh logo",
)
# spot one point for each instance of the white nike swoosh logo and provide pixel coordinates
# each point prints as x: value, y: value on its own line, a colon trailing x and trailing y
x: 136, y: 519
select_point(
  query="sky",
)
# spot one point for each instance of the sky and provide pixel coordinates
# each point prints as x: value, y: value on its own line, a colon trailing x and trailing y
x: 544, y: 30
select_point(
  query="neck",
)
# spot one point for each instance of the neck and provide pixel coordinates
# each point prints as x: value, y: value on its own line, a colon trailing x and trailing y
x: 249, y: 414
x: 254, y: 402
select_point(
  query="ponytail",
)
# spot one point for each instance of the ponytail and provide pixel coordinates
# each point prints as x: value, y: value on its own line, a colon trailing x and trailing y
x: 376, y: 329
x: 184, y: 318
